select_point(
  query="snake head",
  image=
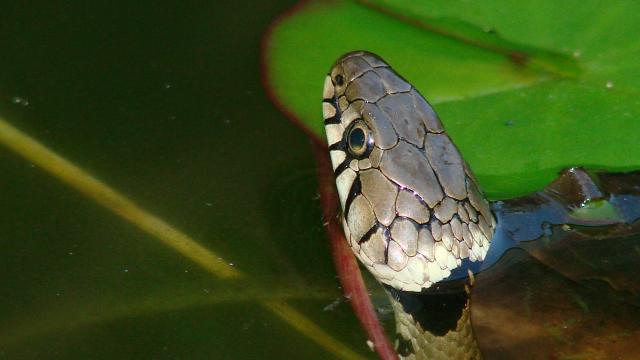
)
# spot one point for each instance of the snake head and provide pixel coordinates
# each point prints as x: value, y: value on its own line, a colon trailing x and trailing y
x: 412, y: 209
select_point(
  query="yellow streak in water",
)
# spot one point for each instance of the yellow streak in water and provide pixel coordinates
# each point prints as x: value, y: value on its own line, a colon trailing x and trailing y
x: 95, y: 189
x: 100, y: 192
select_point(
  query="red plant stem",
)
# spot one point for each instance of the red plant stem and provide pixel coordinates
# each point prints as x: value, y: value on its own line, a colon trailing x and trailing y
x: 344, y: 260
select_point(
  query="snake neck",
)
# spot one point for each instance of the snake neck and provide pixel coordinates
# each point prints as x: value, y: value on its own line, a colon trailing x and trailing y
x: 434, y: 325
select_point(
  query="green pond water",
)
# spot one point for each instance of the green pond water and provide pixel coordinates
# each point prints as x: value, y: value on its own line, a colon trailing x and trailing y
x: 163, y: 104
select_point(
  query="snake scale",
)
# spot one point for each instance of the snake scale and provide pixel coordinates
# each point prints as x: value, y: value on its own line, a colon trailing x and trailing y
x: 413, y: 212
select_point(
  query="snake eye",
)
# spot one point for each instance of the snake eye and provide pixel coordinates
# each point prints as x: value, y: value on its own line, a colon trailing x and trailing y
x: 359, y: 139
x: 339, y: 80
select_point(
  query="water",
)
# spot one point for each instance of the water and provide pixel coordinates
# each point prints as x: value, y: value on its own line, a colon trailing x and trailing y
x: 164, y: 105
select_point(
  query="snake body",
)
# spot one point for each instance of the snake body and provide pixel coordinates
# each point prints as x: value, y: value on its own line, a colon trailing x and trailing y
x: 413, y: 212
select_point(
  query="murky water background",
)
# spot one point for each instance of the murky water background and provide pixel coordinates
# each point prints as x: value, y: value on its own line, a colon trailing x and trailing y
x: 164, y: 104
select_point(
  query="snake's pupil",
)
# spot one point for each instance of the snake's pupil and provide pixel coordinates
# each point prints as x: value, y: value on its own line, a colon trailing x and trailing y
x: 357, y: 140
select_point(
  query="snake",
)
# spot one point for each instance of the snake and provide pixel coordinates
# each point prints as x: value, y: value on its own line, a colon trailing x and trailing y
x: 412, y: 210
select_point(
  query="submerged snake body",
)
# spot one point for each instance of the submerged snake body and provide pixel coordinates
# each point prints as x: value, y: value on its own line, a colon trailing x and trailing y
x: 412, y: 210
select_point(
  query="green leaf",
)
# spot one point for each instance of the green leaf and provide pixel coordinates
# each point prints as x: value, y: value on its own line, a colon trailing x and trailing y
x: 523, y: 89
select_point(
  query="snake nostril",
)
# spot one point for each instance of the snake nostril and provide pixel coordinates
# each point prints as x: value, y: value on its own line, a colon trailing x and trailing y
x: 339, y: 80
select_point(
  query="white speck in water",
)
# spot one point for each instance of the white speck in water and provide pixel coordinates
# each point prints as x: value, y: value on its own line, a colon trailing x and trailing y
x: 609, y: 84
x: 370, y: 344
x: 58, y: 294
x: 231, y: 264
x: 333, y: 305
x: 227, y: 121
x: 577, y: 54
x: 20, y: 101
x: 125, y: 270
x: 472, y: 278
x: 70, y: 253
x: 167, y: 85
x: 186, y: 271
x: 205, y: 290
x: 208, y: 204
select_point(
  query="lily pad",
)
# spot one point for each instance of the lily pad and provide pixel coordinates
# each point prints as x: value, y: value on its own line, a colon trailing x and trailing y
x: 524, y: 90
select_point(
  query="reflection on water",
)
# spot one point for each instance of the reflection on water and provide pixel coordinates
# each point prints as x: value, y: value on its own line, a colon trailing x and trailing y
x: 526, y: 305
x: 568, y: 290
